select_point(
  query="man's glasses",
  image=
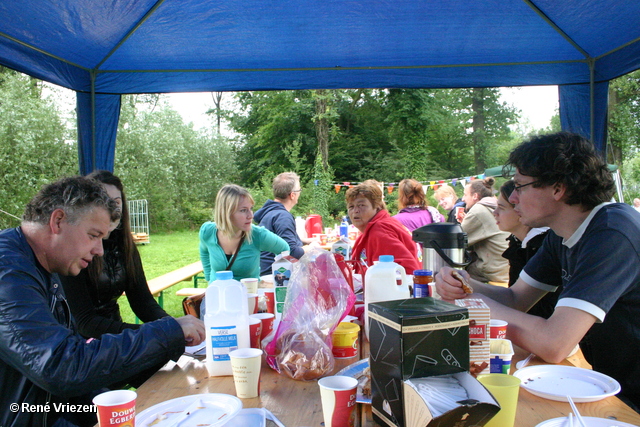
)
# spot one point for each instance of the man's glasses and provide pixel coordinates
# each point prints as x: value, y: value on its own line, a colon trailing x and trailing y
x: 518, y: 187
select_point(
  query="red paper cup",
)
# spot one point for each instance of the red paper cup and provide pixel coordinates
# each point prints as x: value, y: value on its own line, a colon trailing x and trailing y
x: 270, y: 296
x: 338, y: 394
x: 267, y: 322
x: 498, y: 329
x: 255, y: 332
x: 252, y: 300
x: 116, y: 408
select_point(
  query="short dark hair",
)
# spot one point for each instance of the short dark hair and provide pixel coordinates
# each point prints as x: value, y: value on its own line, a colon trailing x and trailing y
x: 565, y: 158
x: 74, y: 195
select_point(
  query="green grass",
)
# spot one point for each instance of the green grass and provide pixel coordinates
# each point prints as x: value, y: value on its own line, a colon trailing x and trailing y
x: 166, y: 252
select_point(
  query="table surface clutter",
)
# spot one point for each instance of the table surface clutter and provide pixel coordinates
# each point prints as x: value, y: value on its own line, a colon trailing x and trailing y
x: 297, y: 403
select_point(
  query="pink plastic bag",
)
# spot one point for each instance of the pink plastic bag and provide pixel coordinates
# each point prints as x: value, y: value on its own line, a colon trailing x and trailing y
x: 318, y: 298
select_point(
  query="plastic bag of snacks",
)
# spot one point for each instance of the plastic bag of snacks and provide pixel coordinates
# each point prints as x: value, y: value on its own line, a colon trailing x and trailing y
x: 318, y: 298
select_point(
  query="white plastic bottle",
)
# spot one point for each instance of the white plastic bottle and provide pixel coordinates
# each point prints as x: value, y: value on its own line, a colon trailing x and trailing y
x: 226, y: 322
x: 381, y: 284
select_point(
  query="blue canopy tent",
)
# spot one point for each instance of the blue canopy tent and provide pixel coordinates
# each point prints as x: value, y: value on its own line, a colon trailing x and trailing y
x: 102, y: 49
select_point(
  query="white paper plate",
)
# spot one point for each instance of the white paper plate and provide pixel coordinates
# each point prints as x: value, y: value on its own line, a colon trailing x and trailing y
x: 555, y: 382
x: 355, y: 370
x: 218, y: 409
x: 589, y: 421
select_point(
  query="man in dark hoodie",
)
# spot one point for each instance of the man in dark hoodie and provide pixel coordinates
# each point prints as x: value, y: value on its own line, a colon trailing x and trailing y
x: 275, y: 215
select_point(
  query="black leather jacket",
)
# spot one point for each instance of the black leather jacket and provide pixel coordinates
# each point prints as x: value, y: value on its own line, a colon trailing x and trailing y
x: 42, y: 360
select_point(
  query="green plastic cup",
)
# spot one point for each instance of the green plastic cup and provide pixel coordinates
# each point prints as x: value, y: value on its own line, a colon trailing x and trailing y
x: 505, y: 389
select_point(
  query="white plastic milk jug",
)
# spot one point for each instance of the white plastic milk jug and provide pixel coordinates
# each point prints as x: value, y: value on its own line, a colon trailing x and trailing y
x: 381, y: 284
x: 226, y: 321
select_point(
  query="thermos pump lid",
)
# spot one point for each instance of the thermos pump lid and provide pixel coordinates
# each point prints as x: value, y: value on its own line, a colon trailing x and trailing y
x: 446, y: 234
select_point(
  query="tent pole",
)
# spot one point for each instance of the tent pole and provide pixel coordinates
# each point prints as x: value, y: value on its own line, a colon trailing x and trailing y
x: 93, y: 119
x: 592, y: 93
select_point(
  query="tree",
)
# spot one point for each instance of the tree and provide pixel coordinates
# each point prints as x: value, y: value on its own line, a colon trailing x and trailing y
x: 177, y: 169
x: 34, y: 145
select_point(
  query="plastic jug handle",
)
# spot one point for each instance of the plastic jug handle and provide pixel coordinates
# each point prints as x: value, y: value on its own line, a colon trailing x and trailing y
x: 403, y: 276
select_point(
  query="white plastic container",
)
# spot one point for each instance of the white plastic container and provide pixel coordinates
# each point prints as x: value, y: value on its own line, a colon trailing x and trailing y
x: 226, y: 322
x: 300, y: 223
x: 381, y: 284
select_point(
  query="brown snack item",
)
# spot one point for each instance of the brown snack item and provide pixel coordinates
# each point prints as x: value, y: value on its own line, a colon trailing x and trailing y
x: 466, y: 287
x: 364, y: 382
x: 303, y: 357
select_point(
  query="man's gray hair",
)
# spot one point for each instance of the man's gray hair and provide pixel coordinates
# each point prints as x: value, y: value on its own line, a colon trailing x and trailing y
x: 74, y: 195
x: 284, y: 184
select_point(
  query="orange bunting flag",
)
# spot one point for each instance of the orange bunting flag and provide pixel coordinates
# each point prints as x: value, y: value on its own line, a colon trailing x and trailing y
x: 337, y: 187
x: 390, y: 188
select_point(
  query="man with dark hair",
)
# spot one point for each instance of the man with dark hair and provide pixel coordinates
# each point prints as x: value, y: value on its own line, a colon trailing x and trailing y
x: 592, y: 250
x: 275, y: 215
x: 43, y: 361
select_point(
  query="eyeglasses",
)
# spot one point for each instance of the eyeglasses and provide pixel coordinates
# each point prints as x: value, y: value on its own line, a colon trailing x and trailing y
x: 296, y: 191
x: 518, y: 187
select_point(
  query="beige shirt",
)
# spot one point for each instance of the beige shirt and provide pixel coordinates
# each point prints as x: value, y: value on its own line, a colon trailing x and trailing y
x: 486, y: 242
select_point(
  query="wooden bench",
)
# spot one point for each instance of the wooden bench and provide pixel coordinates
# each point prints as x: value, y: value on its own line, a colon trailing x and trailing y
x: 160, y: 283
x: 189, y: 292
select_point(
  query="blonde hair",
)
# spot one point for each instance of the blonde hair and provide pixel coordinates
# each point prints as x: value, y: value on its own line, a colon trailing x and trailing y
x: 444, y: 191
x: 369, y: 189
x: 227, y: 201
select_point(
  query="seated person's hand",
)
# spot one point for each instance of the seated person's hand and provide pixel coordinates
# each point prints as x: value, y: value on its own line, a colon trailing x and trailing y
x: 448, y: 287
x: 193, y: 329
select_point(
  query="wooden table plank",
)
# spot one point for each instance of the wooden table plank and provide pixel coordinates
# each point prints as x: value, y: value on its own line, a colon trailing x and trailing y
x: 297, y: 403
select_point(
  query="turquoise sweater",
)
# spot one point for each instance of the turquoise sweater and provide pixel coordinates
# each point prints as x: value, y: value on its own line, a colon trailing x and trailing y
x: 247, y: 263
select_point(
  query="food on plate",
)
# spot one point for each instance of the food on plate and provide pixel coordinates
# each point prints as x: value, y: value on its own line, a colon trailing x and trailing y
x: 364, y: 382
x: 465, y: 285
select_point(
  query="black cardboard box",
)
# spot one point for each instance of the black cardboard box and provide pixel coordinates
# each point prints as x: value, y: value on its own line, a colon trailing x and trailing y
x: 415, y: 338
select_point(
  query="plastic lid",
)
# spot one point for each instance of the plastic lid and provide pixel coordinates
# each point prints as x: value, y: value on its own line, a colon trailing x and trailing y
x: 422, y: 273
x: 224, y: 275
x: 347, y: 327
x: 386, y: 258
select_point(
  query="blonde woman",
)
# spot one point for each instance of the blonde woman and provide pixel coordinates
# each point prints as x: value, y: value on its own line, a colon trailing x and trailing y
x: 449, y: 200
x: 233, y: 242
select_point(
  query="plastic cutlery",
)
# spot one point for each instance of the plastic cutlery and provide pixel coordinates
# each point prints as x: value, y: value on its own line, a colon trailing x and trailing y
x: 576, y: 412
x: 525, y: 362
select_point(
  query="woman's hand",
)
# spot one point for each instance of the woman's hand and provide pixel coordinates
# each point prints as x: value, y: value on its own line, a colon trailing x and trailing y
x: 448, y: 287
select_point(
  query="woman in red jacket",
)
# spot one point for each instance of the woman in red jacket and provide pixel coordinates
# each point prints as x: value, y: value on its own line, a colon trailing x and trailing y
x: 381, y: 234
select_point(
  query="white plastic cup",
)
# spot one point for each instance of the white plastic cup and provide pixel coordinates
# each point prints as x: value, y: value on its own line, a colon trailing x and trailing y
x: 251, y: 284
x: 246, y: 364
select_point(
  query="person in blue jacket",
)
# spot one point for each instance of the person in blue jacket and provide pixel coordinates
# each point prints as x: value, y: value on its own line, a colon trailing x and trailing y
x: 275, y: 215
x: 43, y: 360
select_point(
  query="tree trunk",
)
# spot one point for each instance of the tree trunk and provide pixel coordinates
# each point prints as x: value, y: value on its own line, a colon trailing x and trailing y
x: 614, y: 151
x: 217, y: 100
x: 479, y: 139
x: 322, y: 127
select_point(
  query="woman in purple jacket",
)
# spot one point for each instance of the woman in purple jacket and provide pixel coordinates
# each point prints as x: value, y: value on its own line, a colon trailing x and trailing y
x: 415, y: 212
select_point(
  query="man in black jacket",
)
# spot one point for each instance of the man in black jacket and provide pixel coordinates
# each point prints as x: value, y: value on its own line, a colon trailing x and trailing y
x: 45, y: 366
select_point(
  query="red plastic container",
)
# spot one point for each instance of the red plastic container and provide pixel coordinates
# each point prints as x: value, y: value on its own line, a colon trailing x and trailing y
x: 313, y: 225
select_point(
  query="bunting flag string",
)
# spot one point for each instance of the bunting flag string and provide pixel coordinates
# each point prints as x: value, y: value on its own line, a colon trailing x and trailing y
x: 434, y: 185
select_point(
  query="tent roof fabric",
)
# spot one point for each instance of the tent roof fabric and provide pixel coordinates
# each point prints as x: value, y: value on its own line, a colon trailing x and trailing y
x: 104, y: 48
x: 201, y: 45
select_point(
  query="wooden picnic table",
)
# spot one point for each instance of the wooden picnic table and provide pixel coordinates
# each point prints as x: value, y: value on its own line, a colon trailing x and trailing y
x: 297, y: 403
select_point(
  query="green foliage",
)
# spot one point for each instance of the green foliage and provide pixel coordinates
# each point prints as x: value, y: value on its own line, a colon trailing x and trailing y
x: 177, y: 169
x: 33, y: 146
x: 383, y: 134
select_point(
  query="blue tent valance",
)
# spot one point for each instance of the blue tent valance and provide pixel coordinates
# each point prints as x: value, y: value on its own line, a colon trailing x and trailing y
x: 106, y: 48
